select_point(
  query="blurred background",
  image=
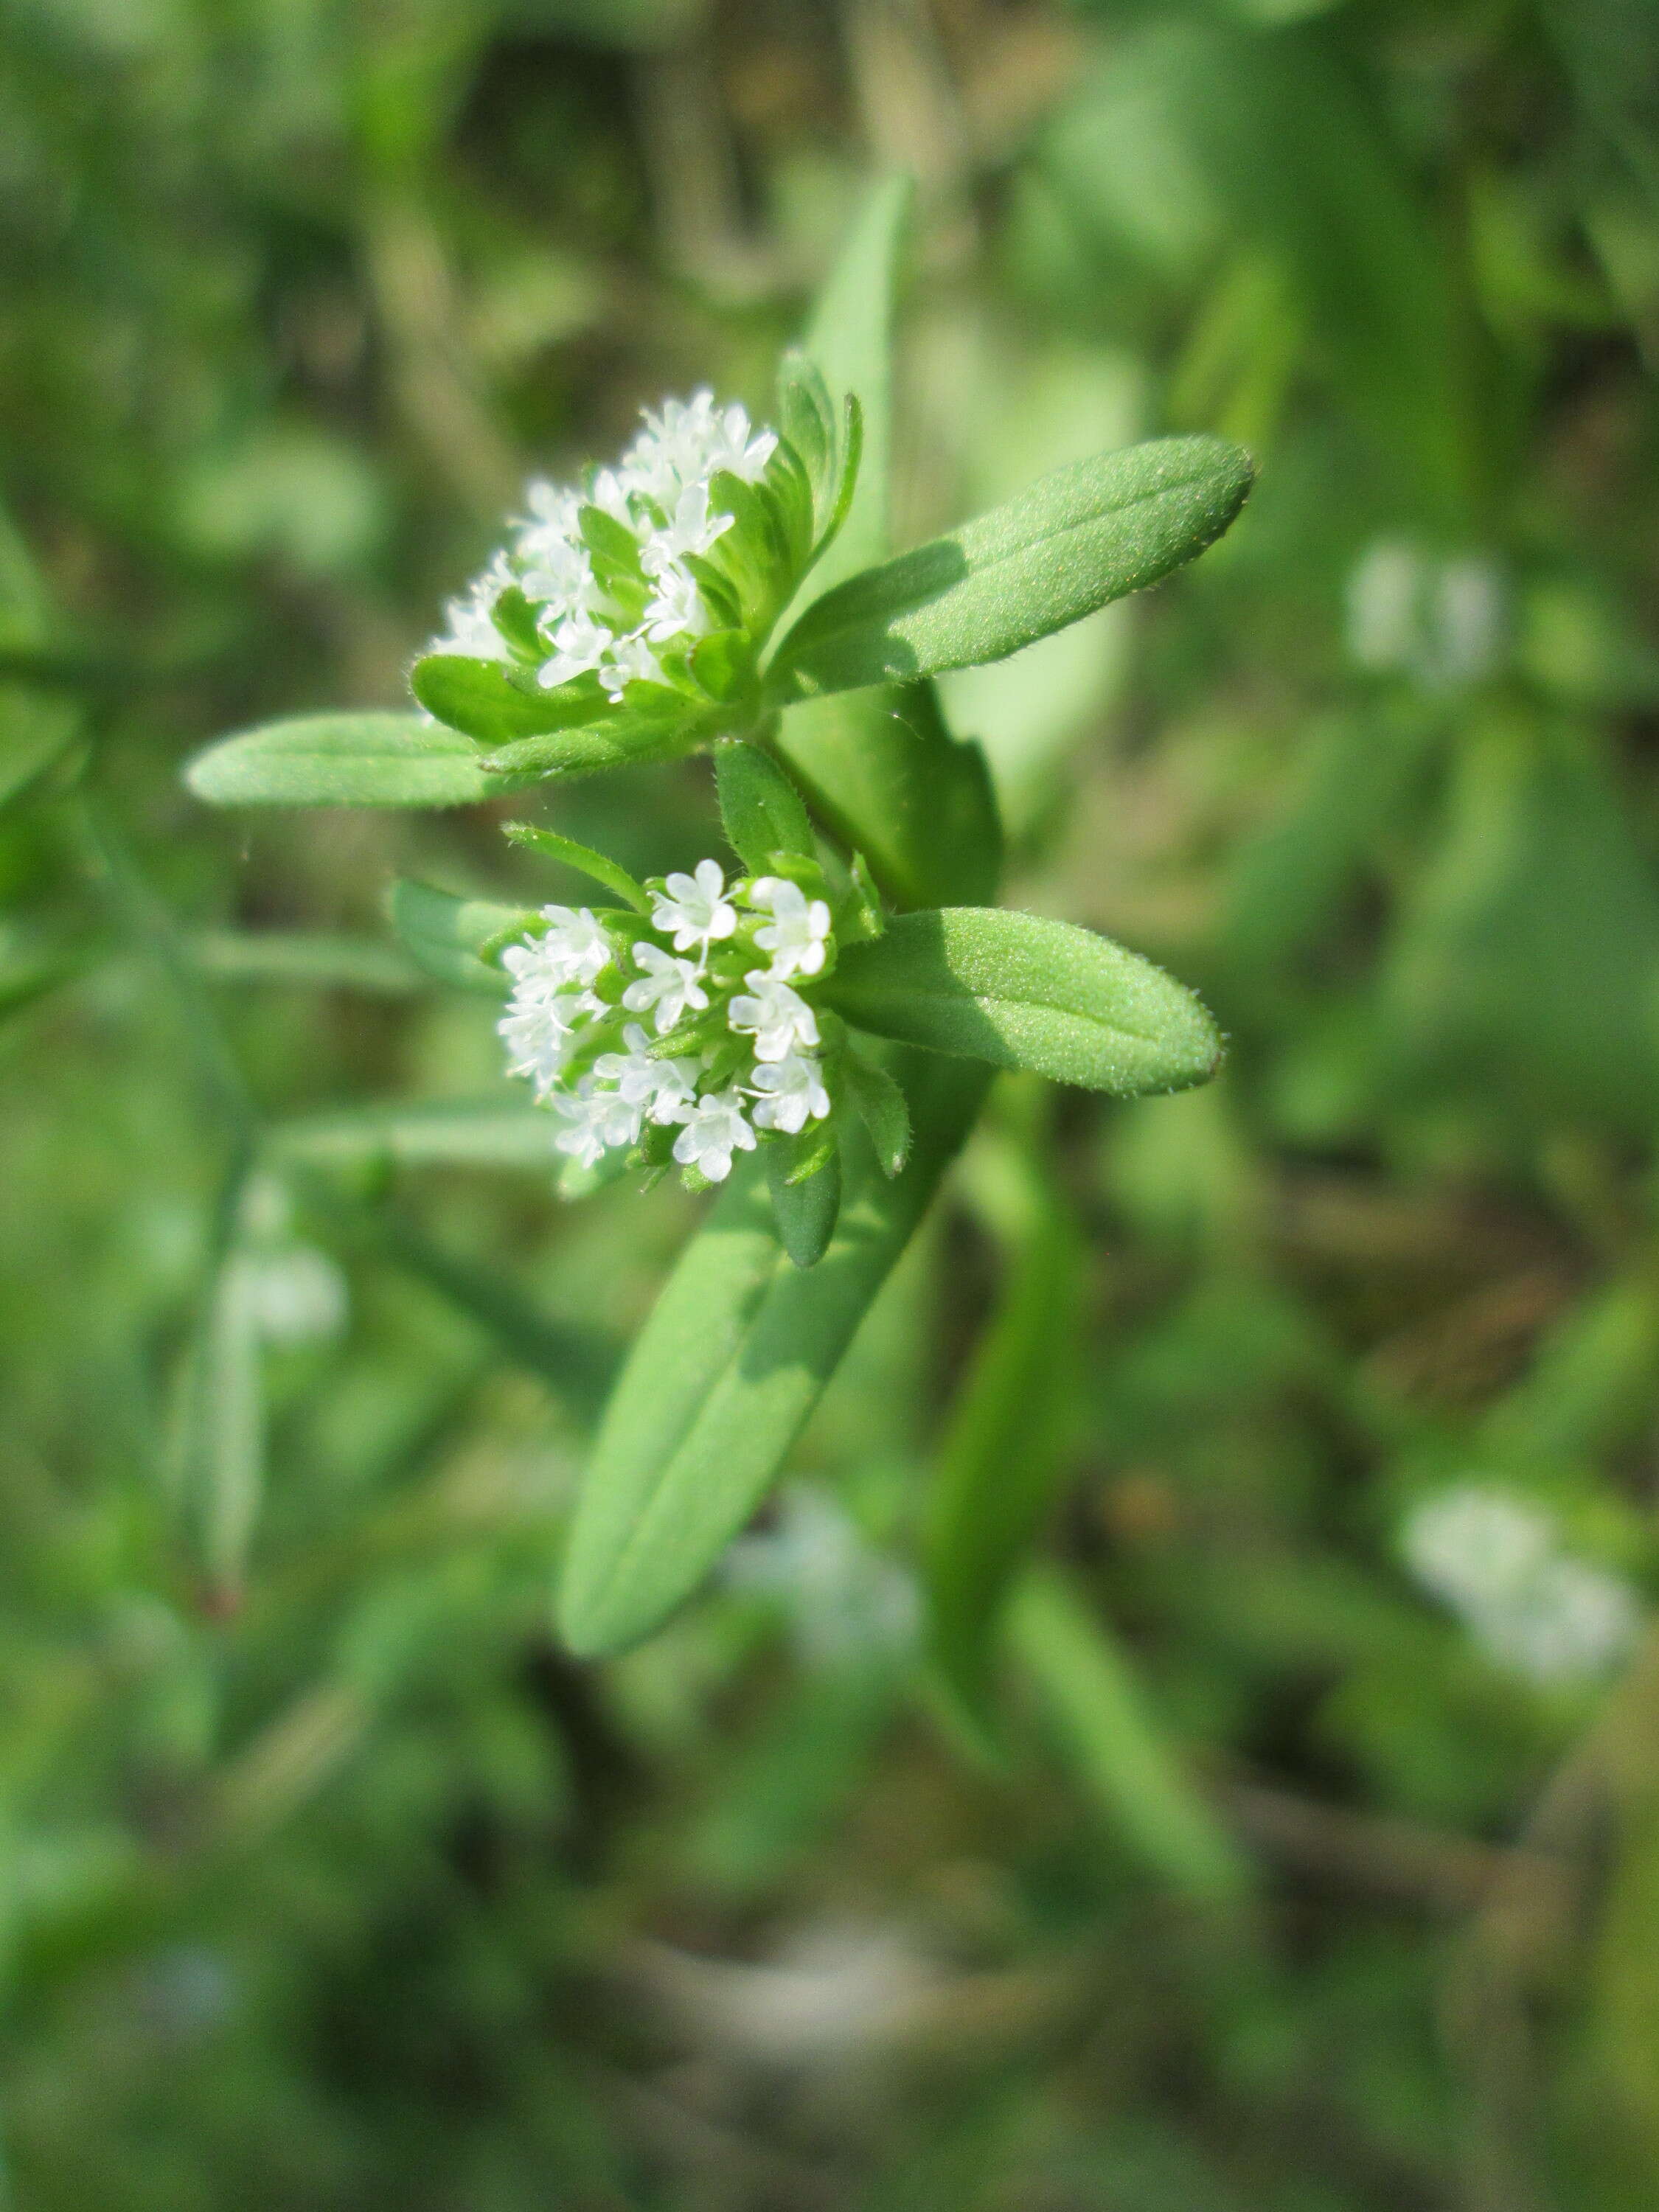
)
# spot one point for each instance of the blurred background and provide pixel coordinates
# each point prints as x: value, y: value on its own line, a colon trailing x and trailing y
x: 1315, y: 1865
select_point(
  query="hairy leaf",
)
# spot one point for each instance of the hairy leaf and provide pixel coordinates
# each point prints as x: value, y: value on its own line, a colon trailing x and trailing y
x: 728, y: 1369
x: 1074, y: 539
x: 806, y: 1197
x: 344, y: 760
x: 1107, y: 1736
x: 599, y: 865
x: 1022, y: 992
x: 450, y: 937
x: 760, y: 808
x: 480, y: 698
x: 1002, y: 1448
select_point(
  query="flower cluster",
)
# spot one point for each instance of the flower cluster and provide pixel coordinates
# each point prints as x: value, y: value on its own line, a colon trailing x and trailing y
x: 1497, y: 1561
x: 609, y: 583
x: 699, y: 1019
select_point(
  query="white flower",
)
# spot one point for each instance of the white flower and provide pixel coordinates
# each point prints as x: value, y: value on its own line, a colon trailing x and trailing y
x: 779, y: 1017
x: 539, y: 1034
x: 630, y: 661
x: 294, y: 1293
x: 579, y: 643
x: 575, y: 949
x: 1477, y: 1547
x: 691, y: 439
x: 558, y: 577
x: 595, y: 1120
x: 795, y: 937
x: 677, y: 611
x: 471, y: 630
x: 669, y: 985
x: 1497, y: 1561
x: 714, y: 1129
x: 694, y: 907
x: 661, y: 1087
x: 554, y: 509
x: 691, y: 528
x: 611, y: 492
x: 728, y: 443
x: 790, y: 1092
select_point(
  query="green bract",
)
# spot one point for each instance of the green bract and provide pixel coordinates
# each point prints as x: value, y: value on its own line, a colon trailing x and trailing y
x: 817, y: 1030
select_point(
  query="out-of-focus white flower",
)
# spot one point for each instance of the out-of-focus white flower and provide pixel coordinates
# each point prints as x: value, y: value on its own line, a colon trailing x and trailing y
x: 1442, y: 621
x: 796, y: 935
x: 540, y: 1035
x: 630, y: 661
x: 695, y: 908
x: 778, y: 1018
x: 471, y: 627
x: 670, y: 986
x: 789, y: 1092
x: 1497, y: 1561
x: 691, y: 528
x: 845, y: 1601
x: 715, y: 1127
x: 293, y: 1293
x: 595, y: 1119
x: 580, y: 644
x: 675, y: 611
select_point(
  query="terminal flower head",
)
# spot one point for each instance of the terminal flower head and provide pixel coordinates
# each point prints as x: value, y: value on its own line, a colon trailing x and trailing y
x: 752, y: 1069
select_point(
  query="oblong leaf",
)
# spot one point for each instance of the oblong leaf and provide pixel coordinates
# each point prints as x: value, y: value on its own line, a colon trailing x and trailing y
x: 881, y: 769
x: 761, y: 810
x: 1101, y: 1723
x: 449, y: 936
x: 1022, y: 992
x: 344, y: 760
x: 602, y: 868
x: 728, y: 1367
x: 1004, y: 1445
x: 482, y: 1132
x: 1077, y: 538
x: 805, y: 1204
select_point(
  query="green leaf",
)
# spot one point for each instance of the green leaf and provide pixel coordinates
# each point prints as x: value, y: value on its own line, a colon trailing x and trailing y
x: 806, y: 417
x: 1077, y: 538
x: 760, y: 808
x: 450, y: 937
x: 314, y: 959
x: 1101, y: 1724
x: 36, y: 730
x: 492, y: 1132
x: 621, y: 739
x: 849, y: 342
x: 723, y: 663
x: 728, y: 1369
x: 803, y: 1173
x: 599, y: 865
x: 1022, y: 992
x: 479, y: 698
x: 880, y: 767
x: 344, y: 760
x: 1003, y: 1449
x: 881, y: 1108
x: 884, y: 774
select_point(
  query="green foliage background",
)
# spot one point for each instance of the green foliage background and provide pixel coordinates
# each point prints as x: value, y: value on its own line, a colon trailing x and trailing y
x: 326, y: 1879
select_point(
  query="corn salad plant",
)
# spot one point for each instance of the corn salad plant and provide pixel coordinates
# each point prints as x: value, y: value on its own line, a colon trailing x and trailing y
x: 793, y: 1023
